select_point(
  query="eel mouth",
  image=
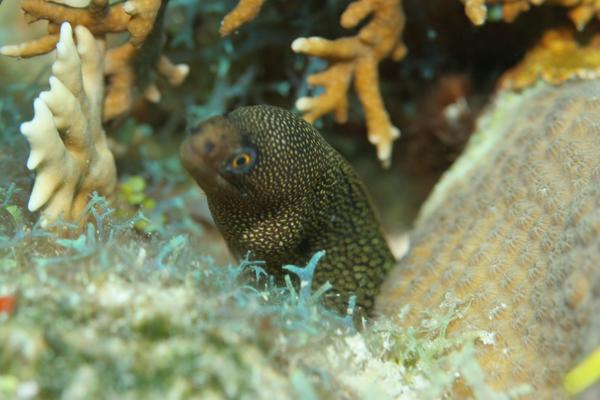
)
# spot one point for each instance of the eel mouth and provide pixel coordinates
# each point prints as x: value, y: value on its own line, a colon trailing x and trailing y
x: 199, y: 166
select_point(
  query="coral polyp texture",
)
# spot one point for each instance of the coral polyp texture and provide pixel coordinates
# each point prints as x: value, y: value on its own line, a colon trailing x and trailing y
x: 580, y: 11
x: 69, y: 151
x: 357, y: 58
x: 557, y: 58
x: 130, y: 67
x: 512, y: 229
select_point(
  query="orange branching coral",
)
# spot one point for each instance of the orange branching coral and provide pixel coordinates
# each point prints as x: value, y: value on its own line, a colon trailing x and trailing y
x: 129, y: 67
x: 143, y: 16
x: 476, y: 10
x: 581, y: 11
x: 245, y: 11
x: 357, y: 57
x: 557, y: 58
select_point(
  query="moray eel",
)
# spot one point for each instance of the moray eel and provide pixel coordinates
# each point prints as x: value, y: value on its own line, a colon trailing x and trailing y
x: 277, y: 189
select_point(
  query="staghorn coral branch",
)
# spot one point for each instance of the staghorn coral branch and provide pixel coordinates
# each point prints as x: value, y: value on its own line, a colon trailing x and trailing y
x: 69, y: 151
x: 32, y: 48
x: 110, y: 19
x: 143, y: 15
x: 73, y: 3
x: 336, y: 80
x: 174, y: 73
x: 245, y: 11
x: 130, y: 67
x: 476, y: 10
x: 119, y: 69
x: 380, y: 130
x: 357, y: 58
x: 340, y: 49
x: 135, y: 16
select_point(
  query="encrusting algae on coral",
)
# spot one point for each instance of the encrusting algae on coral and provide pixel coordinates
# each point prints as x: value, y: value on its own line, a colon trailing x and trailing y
x: 129, y: 66
x: 357, y: 58
x: 69, y: 151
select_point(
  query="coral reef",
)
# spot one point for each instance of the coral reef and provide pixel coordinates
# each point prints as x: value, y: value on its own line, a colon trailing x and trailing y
x: 512, y: 230
x: 69, y: 151
x: 357, y: 57
x: 478, y: 11
x: 557, y: 58
x: 129, y: 67
x: 501, y: 284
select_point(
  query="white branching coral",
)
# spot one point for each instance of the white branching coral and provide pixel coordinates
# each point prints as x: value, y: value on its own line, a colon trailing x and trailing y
x: 69, y: 151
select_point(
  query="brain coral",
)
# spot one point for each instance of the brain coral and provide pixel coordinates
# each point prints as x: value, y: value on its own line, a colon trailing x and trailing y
x: 513, y: 228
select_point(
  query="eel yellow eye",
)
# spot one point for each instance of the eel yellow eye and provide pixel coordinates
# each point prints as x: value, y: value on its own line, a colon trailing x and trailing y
x: 242, y: 161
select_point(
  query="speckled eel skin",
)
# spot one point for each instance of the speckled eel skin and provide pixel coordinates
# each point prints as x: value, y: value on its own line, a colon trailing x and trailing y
x: 514, y: 228
x: 276, y: 188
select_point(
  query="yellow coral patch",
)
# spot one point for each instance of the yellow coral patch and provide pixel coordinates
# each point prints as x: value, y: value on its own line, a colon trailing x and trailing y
x: 556, y: 59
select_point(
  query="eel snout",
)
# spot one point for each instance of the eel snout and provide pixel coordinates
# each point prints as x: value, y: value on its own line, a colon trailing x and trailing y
x: 207, y: 148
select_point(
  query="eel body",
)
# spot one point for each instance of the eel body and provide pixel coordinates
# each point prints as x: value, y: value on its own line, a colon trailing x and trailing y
x: 277, y: 189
